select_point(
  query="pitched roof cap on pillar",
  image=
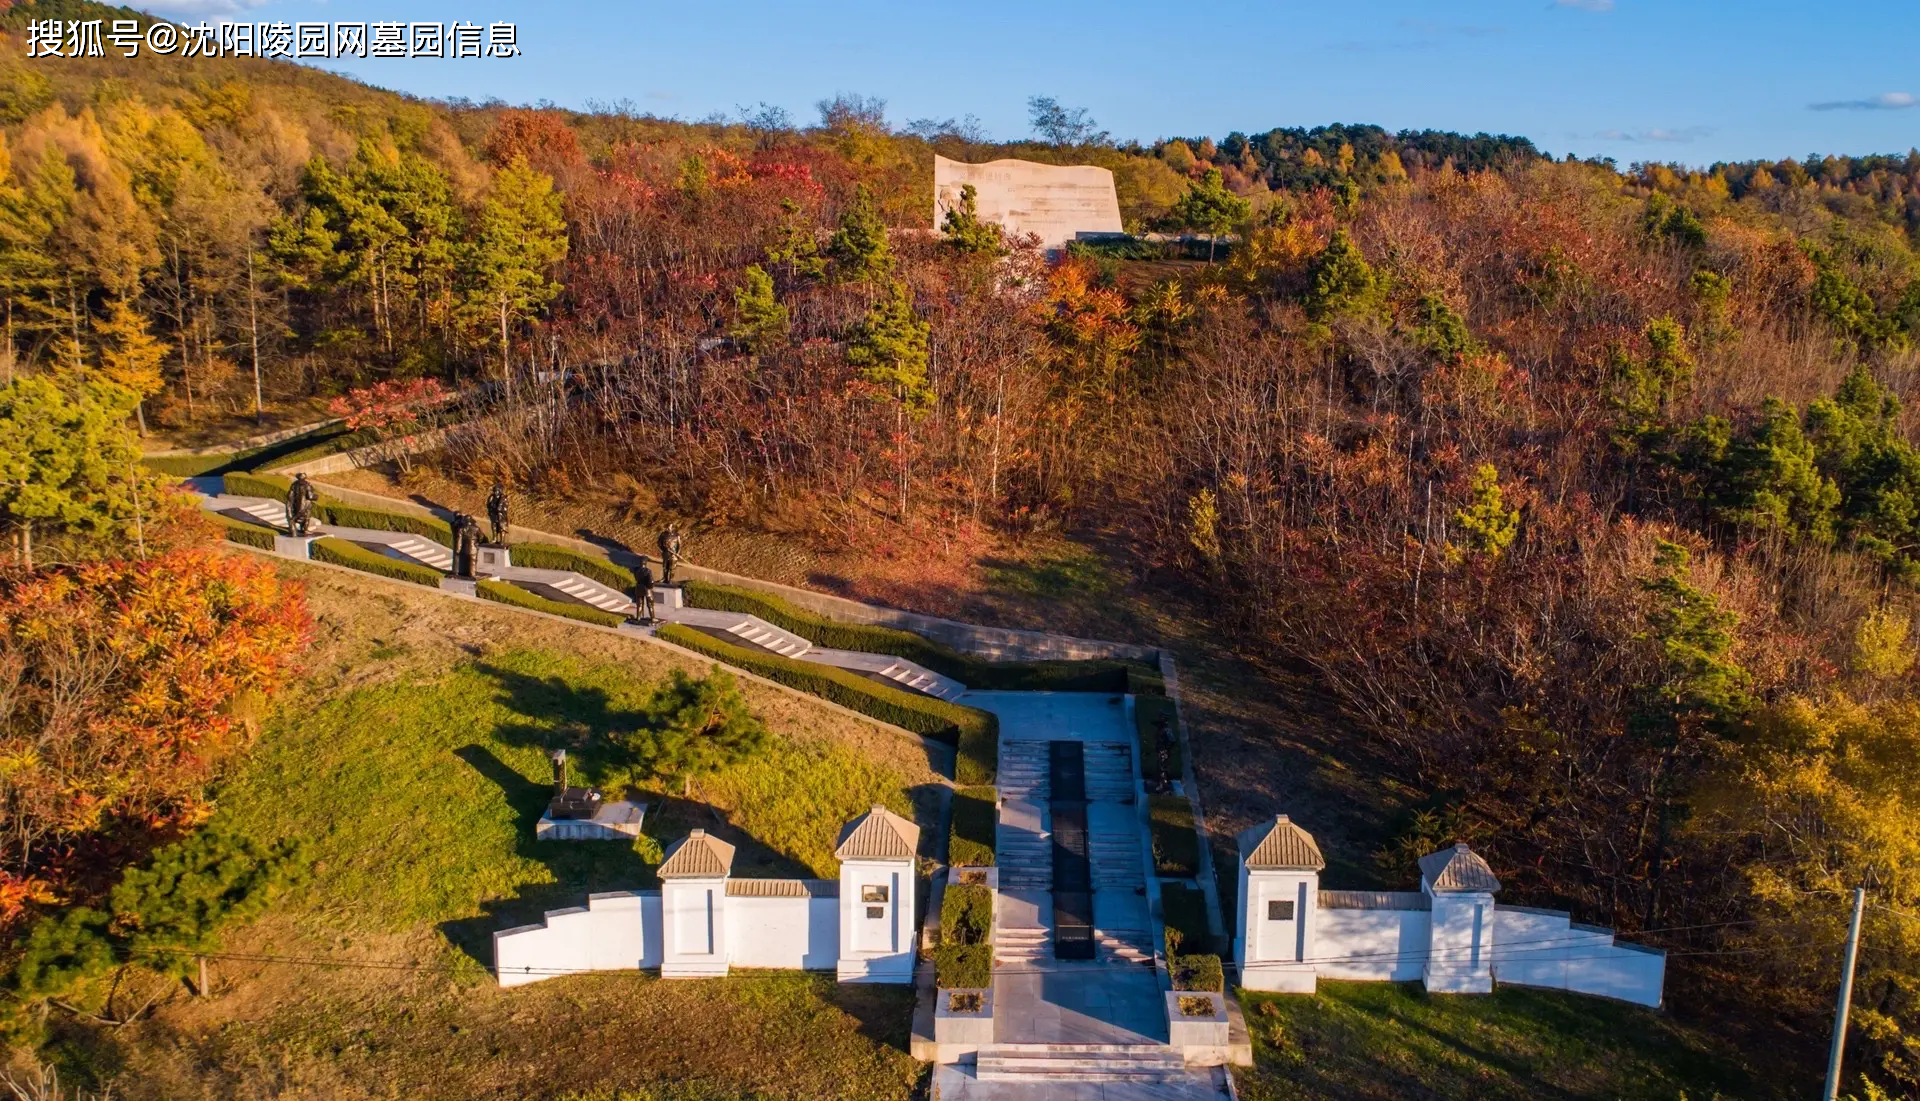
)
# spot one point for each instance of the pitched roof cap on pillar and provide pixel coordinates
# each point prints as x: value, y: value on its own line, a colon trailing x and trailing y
x: 878, y: 834
x: 1280, y: 845
x: 698, y: 855
x: 1458, y: 869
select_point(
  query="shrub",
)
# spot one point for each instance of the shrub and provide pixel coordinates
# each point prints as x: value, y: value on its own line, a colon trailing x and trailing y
x: 970, y: 843
x: 964, y: 957
x: 1196, y: 1006
x: 1148, y: 711
x: 505, y: 593
x: 1199, y: 973
x: 326, y: 441
x: 1176, y: 848
x: 271, y: 486
x: 1184, y: 910
x: 976, y: 733
x: 187, y: 466
x: 963, y: 966
x: 544, y: 556
x: 251, y: 535
x: 352, y: 516
x: 1011, y: 676
x: 355, y: 557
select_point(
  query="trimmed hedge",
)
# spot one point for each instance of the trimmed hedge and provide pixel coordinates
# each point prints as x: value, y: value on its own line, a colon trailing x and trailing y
x: 964, y: 958
x: 1199, y: 973
x: 1147, y: 713
x: 1010, y: 676
x: 251, y: 535
x: 1176, y: 847
x: 353, y: 556
x: 239, y: 484
x: 1184, y: 910
x: 975, y: 733
x: 546, y: 556
x: 314, y: 445
x: 510, y: 594
x: 329, y: 511
x: 970, y: 841
x: 352, y: 516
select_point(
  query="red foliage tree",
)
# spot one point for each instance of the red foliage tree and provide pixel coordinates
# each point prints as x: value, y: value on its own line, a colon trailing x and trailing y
x: 122, y: 684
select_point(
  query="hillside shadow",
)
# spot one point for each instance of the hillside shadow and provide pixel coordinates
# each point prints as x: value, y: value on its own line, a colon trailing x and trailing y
x: 585, y: 715
x: 577, y: 867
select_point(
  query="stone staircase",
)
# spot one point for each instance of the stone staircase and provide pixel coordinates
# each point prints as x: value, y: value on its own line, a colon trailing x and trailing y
x: 1035, y: 1063
x: 592, y: 593
x: 418, y: 548
x: 1122, y: 946
x: 1024, y: 854
x: 1115, y: 859
x: 763, y: 634
x: 921, y: 679
x: 271, y: 513
x: 1021, y: 945
x: 1109, y: 772
x: 1023, y: 771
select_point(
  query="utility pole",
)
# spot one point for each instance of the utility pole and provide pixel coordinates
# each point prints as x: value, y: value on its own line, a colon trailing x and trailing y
x: 1846, y: 998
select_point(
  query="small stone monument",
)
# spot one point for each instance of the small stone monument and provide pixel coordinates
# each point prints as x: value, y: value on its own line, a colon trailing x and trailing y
x: 582, y: 814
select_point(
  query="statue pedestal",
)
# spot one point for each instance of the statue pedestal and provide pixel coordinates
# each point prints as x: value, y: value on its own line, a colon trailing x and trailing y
x: 492, y: 560
x: 668, y: 596
x: 465, y: 586
x: 294, y: 546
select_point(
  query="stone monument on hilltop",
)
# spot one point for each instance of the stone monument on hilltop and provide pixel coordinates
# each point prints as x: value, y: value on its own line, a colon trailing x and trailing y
x: 1057, y: 202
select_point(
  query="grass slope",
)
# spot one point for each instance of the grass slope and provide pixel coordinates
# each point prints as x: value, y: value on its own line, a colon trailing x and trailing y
x: 410, y: 763
x: 1357, y: 1041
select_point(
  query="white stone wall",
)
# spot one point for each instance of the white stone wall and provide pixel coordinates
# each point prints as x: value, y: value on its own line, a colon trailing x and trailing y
x: 612, y: 932
x: 1385, y: 945
x: 1544, y: 948
x: 715, y: 931
x: 788, y: 933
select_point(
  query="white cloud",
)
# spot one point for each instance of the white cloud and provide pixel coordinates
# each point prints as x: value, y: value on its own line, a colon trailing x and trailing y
x: 1679, y: 136
x: 200, y: 9
x: 1585, y: 5
x: 1885, y: 101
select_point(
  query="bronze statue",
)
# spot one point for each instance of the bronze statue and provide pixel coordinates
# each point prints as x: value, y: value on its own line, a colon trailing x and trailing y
x: 643, y: 593
x: 669, y: 552
x: 300, y: 501
x: 466, y: 540
x: 497, y: 513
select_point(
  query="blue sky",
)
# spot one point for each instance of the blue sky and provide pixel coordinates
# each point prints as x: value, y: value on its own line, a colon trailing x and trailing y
x: 1687, y: 80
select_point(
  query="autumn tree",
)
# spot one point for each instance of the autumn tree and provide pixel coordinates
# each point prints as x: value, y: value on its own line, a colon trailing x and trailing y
x: 521, y: 236
x: 69, y: 459
x: 127, y: 682
x: 859, y: 249
x: 762, y: 321
x: 963, y: 230
x: 1209, y: 208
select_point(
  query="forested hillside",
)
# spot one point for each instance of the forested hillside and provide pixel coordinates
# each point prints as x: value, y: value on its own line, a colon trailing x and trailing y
x: 1589, y: 497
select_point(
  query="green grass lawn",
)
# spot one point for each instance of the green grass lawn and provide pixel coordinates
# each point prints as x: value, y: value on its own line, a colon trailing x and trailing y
x: 1356, y: 1041
x: 411, y: 765
x: 417, y: 797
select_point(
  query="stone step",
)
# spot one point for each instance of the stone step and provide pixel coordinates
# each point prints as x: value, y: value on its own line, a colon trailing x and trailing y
x: 424, y: 550
x: 766, y: 635
x: 921, y: 679
x: 1089, y: 1063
